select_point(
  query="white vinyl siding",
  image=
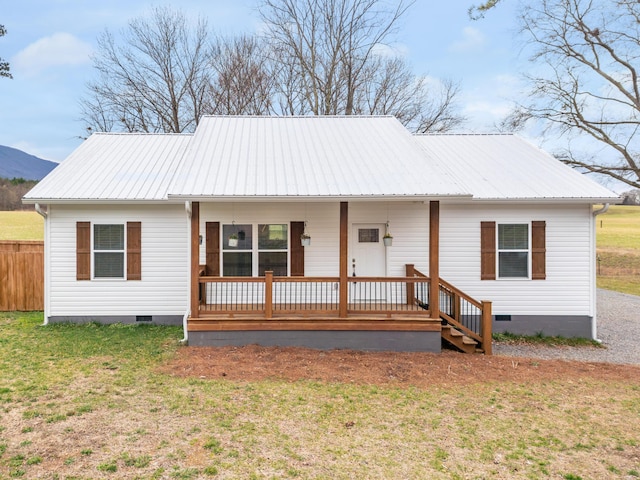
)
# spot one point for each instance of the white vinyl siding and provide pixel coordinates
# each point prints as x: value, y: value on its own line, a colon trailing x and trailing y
x: 321, y: 258
x: 567, y: 289
x: 163, y: 289
x: 409, y: 224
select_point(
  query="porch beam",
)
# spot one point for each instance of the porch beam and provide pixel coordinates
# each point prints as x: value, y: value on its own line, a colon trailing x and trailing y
x: 434, y: 258
x: 344, y: 260
x: 195, y: 259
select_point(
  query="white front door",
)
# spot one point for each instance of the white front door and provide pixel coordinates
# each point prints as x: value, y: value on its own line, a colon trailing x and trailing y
x: 368, y: 257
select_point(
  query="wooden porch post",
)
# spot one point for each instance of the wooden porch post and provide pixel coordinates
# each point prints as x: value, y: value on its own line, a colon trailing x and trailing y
x: 268, y: 294
x: 344, y: 261
x: 487, y: 328
x: 410, y: 272
x: 195, y: 259
x: 434, y: 258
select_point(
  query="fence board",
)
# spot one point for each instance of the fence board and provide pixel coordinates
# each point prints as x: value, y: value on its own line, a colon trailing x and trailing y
x: 21, y: 275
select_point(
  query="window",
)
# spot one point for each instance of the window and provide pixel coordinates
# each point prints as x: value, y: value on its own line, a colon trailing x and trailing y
x: 241, y: 252
x: 105, y: 249
x: 368, y: 235
x: 513, y: 251
x: 272, y: 249
x: 108, y: 251
x: 237, y: 246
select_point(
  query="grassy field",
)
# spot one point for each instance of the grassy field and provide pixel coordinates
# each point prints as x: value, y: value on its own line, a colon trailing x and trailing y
x: 21, y: 225
x: 618, y: 245
x: 91, y: 402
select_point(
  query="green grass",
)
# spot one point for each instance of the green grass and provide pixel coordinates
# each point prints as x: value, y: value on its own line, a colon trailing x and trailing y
x: 618, y: 246
x: 540, y: 339
x: 21, y: 225
x: 619, y: 228
x: 118, y: 416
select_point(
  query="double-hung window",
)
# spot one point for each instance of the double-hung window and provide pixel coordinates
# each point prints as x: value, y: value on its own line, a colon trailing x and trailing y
x: 108, y: 251
x: 513, y: 250
x: 246, y: 254
x: 272, y: 249
x: 237, y: 246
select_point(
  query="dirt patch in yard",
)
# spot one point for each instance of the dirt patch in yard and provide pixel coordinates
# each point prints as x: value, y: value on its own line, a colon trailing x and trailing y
x: 404, y: 369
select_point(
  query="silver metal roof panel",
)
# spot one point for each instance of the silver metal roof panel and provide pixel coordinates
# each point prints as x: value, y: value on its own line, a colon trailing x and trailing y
x: 320, y: 156
x: 115, y: 167
x: 508, y: 167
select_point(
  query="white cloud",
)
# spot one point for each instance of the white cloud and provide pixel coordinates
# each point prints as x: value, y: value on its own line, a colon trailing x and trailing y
x: 59, y: 49
x: 395, y: 50
x: 496, y: 109
x: 472, y: 41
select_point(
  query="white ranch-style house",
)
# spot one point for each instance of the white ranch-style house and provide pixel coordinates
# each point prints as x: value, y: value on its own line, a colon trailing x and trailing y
x: 275, y: 230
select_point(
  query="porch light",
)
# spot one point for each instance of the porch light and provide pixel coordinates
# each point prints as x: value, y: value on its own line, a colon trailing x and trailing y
x: 388, y: 238
x: 305, y: 238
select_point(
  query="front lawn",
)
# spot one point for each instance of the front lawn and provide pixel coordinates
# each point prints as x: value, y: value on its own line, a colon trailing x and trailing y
x: 89, y: 401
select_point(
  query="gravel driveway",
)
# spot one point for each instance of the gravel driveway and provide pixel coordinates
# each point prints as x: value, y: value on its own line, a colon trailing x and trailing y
x: 618, y: 328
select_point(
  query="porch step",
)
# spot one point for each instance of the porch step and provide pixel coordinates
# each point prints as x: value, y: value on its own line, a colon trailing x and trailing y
x: 459, y: 340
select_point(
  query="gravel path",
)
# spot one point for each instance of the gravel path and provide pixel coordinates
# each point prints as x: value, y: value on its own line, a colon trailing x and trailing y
x: 618, y: 328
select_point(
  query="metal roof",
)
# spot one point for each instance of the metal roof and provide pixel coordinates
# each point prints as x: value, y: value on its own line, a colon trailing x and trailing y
x: 308, y: 157
x: 319, y: 157
x: 116, y: 167
x: 508, y: 167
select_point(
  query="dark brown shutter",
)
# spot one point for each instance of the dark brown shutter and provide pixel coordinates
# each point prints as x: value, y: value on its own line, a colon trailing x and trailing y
x: 212, y: 248
x: 488, y: 250
x: 297, y: 250
x: 538, y: 250
x: 134, y: 251
x: 83, y: 250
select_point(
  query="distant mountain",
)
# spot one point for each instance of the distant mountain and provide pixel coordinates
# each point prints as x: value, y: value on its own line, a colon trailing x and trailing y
x: 15, y: 163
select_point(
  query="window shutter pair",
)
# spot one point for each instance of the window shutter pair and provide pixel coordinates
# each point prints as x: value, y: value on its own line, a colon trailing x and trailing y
x: 488, y: 250
x: 134, y: 251
x: 212, y: 249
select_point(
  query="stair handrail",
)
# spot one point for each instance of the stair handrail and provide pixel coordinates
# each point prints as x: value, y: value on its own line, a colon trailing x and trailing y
x: 484, y: 338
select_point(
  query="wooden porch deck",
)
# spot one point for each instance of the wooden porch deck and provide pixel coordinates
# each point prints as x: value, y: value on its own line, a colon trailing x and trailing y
x: 371, y: 321
x: 388, y: 312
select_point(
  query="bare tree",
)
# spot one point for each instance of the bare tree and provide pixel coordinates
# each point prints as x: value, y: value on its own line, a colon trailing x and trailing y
x: 327, y: 61
x: 391, y: 88
x: 157, y: 80
x: 4, y: 65
x: 318, y: 57
x: 325, y: 47
x: 243, y: 82
x: 586, y: 61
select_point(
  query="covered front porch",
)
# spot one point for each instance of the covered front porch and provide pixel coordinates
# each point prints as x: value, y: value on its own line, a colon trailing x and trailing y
x: 411, y: 312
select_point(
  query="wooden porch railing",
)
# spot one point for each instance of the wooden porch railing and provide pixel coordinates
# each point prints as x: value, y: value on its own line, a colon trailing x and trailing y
x: 270, y: 295
x: 305, y: 296
x: 470, y: 316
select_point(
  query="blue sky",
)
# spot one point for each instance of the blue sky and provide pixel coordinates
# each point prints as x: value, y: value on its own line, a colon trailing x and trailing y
x: 49, y: 44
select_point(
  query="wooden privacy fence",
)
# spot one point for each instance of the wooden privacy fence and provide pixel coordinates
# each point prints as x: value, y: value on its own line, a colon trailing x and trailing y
x: 21, y: 275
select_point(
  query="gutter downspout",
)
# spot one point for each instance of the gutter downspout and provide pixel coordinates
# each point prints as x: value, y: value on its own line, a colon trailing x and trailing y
x: 185, y: 339
x: 594, y: 322
x: 45, y: 214
x: 602, y: 210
